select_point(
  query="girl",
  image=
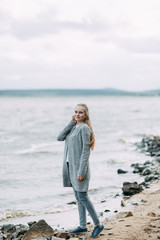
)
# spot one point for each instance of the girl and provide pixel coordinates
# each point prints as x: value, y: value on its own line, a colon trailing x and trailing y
x: 79, y: 139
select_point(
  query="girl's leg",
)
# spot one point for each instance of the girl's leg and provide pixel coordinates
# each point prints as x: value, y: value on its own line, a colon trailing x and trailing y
x: 82, y: 211
x: 86, y: 202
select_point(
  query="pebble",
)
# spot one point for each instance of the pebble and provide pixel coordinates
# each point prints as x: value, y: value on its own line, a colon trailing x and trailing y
x: 100, y: 214
x: 120, y: 171
x: 123, y: 203
x: 83, y: 237
x: 73, y: 202
x: 151, y: 214
x: 144, y: 201
x: 134, y: 203
x: 128, y: 214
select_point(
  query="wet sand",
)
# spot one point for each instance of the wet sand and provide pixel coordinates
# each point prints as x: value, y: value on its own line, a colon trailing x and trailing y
x: 139, y: 219
x: 145, y: 222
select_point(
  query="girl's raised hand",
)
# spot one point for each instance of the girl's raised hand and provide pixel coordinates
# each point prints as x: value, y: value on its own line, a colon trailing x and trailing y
x: 73, y: 118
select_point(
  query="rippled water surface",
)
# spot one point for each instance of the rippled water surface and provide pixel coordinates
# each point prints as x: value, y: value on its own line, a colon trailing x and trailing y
x: 31, y: 158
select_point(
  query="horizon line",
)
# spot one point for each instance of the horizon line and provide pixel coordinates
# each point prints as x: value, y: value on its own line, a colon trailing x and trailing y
x: 80, y: 89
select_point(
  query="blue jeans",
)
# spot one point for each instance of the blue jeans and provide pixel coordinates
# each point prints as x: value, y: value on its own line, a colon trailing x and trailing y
x: 84, y: 203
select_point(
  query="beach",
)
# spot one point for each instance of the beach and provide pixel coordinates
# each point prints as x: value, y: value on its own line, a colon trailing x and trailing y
x: 138, y: 220
x: 31, y: 162
x: 145, y: 222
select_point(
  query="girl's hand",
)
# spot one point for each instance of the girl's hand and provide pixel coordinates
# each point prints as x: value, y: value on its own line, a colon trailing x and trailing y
x: 73, y: 118
x: 80, y: 177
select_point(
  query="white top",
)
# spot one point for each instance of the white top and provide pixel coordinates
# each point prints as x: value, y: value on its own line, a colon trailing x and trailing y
x: 77, y: 125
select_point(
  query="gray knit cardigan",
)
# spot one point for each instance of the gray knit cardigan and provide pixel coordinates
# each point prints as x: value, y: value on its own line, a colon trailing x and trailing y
x: 78, y: 150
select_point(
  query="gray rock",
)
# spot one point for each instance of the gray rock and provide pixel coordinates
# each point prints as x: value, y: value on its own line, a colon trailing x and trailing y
x: 37, y: 230
x: 131, y: 188
x: 123, y: 203
x: 8, y: 228
x: 151, y: 177
x: 134, y: 203
x: 55, y: 238
x: 31, y: 223
x: 120, y: 171
x: 73, y: 202
x: 148, y: 162
x: 143, y: 201
x: 39, y: 238
x: 158, y: 154
x: 47, y: 237
x: 2, y: 236
x: 110, y: 233
x: 20, y: 227
x: 124, y: 214
x: 19, y: 238
x: 65, y: 235
x: 136, y: 170
x: 107, y: 210
x: 158, y: 159
x: 21, y: 232
x: 128, y: 214
x: 83, y: 237
x: 146, y: 171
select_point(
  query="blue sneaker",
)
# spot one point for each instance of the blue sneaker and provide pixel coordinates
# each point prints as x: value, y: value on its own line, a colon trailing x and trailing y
x: 79, y: 230
x: 96, y: 231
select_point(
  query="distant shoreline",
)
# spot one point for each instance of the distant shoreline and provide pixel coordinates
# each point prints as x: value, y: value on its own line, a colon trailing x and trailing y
x: 77, y: 92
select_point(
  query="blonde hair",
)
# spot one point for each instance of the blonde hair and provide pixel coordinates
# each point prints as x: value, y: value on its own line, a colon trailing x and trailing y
x: 88, y: 122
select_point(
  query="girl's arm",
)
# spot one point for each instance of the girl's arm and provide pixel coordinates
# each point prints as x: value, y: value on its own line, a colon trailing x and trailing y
x: 62, y: 135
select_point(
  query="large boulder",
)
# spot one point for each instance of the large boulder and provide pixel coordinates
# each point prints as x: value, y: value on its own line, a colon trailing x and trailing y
x: 37, y: 230
x: 131, y: 188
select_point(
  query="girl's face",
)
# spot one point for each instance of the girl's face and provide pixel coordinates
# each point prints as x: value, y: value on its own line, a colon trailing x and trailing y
x: 79, y: 114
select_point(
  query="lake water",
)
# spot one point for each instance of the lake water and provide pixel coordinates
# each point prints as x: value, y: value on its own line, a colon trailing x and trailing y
x: 31, y: 157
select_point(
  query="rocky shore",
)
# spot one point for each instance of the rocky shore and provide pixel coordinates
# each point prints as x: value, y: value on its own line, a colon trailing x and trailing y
x: 141, y: 211
x: 150, y: 145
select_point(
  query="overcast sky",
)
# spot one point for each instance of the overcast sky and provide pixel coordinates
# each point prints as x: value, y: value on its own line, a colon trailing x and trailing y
x: 80, y: 44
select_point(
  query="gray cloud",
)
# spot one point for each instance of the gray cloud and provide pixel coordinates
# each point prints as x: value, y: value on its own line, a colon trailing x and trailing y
x: 145, y: 45
x: 46, y: 23
x: 27, y: 29
x: 140, y: 45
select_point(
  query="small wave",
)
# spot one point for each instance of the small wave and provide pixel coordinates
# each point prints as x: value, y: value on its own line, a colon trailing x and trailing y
x: 112, y: 161
x: 122, y: 140
x: 8, y: 139
x: 10, y: 213
x: 43, y: 148
x: 36, y: 153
